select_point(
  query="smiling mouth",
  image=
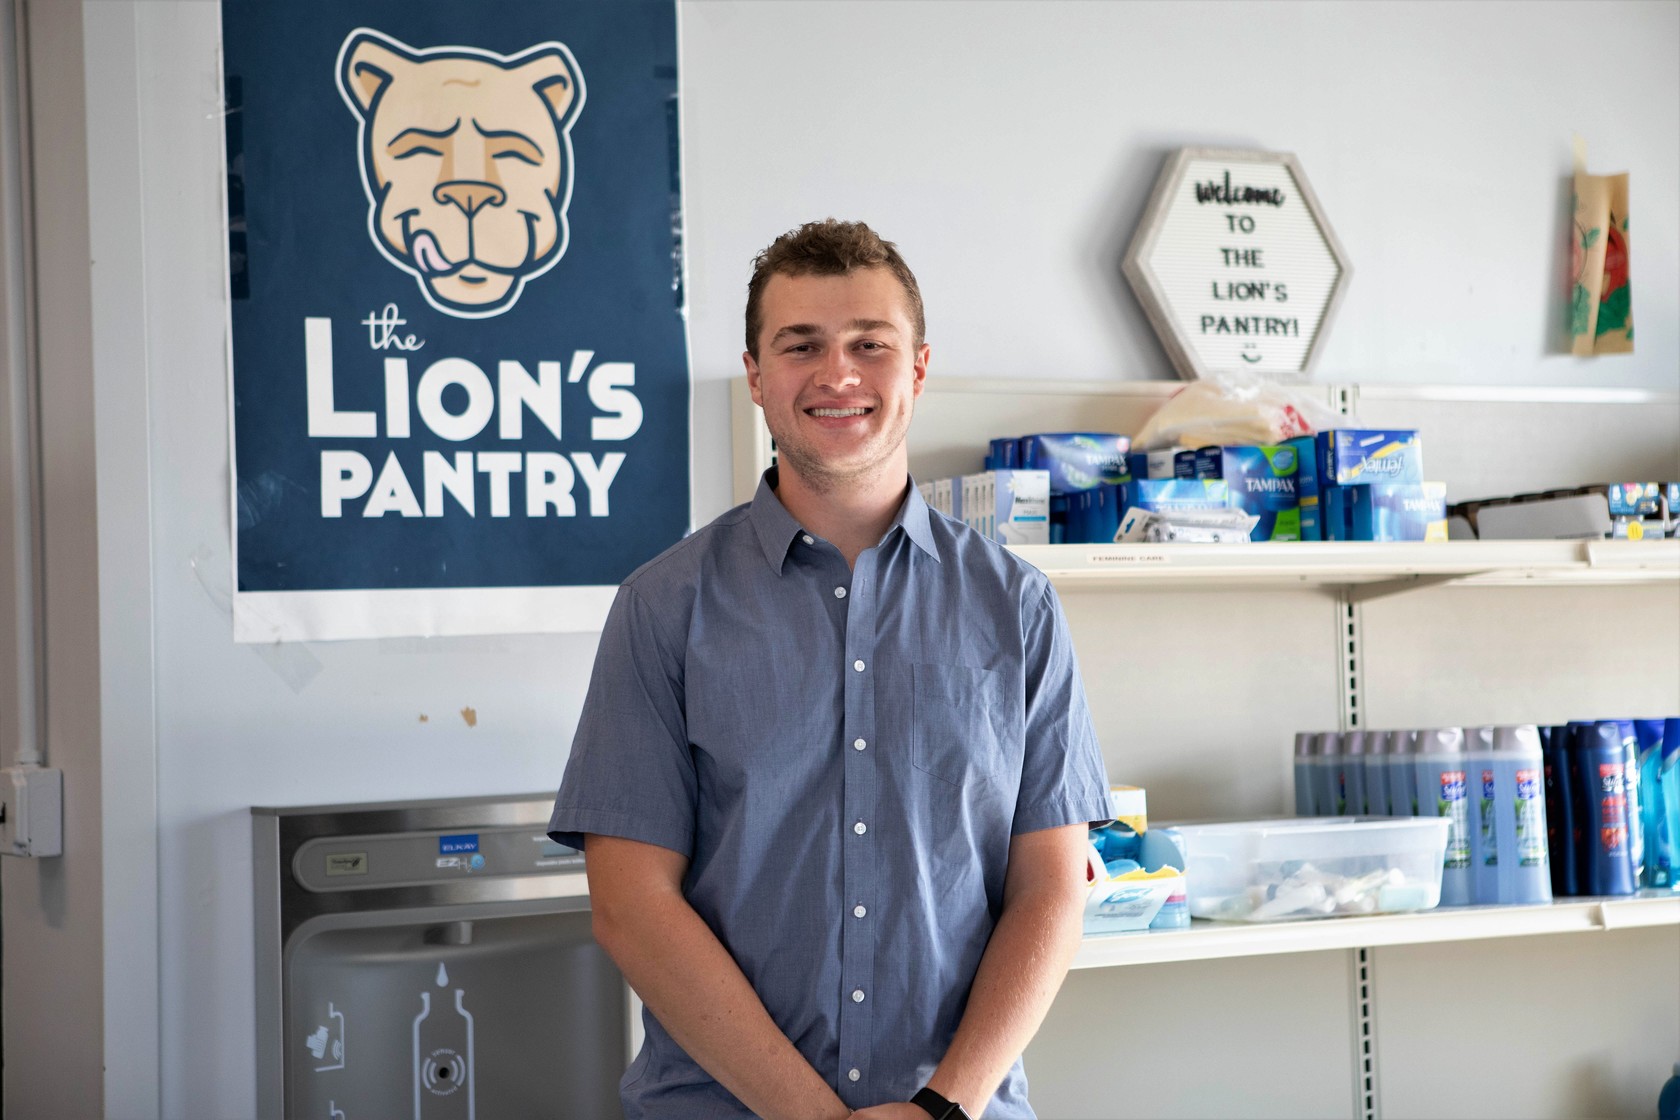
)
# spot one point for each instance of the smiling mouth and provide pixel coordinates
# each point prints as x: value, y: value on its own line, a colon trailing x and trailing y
x: 837, y: 413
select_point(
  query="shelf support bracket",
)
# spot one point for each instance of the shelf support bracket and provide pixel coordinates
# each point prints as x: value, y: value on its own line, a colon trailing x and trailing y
x: 1366, y: 592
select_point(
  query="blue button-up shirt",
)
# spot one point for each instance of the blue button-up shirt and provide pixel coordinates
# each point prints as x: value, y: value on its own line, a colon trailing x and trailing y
x: 843, y: 756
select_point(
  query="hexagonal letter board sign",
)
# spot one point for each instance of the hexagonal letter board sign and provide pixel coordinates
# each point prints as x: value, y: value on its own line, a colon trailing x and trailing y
x: 1236, y: 265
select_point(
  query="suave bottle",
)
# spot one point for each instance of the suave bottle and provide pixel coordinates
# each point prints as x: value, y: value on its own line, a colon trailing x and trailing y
x: 1525, y: 874
x: 1376, y: 773
x: 1482, y: 819
x: 1604, y: 859
x: 1402, y: 773
x: 1306, y: 743
x: 1327, y: 763
x: 1659, y: 870
x: 1630, y: 779
x: 1442, y: 790
x: 1560, y: 810
x: 1352, y: 802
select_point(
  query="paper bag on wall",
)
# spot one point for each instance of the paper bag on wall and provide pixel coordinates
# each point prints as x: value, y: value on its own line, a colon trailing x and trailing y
x: 1600, y: 308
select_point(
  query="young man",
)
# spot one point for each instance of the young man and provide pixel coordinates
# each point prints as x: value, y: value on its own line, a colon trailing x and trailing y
x: 835, y: 768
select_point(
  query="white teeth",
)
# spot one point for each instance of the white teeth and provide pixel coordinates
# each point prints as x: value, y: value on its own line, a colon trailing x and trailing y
x: 838, y: 411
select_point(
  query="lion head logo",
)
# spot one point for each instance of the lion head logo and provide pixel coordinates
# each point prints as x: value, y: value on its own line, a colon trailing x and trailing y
x: 466, y: 157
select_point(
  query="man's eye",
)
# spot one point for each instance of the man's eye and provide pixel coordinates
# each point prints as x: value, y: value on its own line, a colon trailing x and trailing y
x: 520, y: 156
x: 418, y: 150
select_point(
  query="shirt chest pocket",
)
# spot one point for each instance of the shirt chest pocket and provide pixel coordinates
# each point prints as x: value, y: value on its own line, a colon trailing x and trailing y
x: 968, y: 725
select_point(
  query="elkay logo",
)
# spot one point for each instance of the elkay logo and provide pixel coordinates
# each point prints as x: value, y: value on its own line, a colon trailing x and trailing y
x: 466, y: 842
x: 466, y: 159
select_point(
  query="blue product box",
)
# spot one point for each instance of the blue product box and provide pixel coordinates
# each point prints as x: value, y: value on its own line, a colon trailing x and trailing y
x: 1200, y: 463
x: 1264, y: 481
x: 1077, y: 460
x: 1152, y: 464
x: 1356, y: 456
x: 1384, y: 511
x: 1307, y: 488
x: 1093, y: 516
x: 1162, y: 494
x: 1012, y: 507
x: 1635, y: 499
x: 1005, y: 454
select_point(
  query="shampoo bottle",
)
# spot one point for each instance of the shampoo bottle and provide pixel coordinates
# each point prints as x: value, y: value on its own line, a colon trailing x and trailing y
x: 1482, y: 820
x: 1560, y: 810
x: 1525, y: 874
x: 1306, y: 743
x: 1604, y: 858
x: 1442, y: 791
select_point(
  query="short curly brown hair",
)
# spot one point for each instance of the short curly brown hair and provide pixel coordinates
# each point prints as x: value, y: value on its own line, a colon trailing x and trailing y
x: 828, y: 248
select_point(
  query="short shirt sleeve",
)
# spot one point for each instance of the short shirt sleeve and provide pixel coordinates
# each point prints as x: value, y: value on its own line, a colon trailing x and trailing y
x: 1063, y: 779
x: 631, y: 773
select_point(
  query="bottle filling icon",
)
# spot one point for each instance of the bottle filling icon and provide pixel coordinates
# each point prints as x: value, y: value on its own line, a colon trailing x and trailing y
x: 443, y: 1056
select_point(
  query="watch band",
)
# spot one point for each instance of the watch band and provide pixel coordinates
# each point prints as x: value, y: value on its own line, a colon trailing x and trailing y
x: 938, y: 1107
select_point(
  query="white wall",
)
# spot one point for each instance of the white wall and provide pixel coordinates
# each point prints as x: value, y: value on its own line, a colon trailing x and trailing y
x: 1009, y: 149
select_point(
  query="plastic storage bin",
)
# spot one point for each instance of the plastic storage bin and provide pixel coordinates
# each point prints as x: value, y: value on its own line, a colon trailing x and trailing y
x: 1267, y: 871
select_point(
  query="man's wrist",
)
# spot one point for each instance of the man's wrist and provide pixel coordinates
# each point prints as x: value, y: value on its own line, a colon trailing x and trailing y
x: 937, y: 1106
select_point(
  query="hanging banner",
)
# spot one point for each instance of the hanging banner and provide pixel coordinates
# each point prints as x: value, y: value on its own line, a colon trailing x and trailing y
x: 460, y: 384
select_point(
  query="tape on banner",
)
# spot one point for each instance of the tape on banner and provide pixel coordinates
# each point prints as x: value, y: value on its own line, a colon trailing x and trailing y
x: 291, y: 661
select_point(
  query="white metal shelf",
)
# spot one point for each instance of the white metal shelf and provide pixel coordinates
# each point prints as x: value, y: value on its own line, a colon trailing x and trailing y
x: 1211, y: 940
x: 1371, y: 569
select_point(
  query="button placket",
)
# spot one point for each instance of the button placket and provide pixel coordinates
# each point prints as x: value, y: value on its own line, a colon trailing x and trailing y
x: 859, y: 854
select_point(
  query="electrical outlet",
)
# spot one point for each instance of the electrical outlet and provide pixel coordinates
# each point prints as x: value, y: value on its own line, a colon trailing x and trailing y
x: 31, y: 811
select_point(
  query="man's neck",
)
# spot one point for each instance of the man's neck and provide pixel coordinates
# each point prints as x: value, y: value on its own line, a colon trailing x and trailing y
x: 853, y: 514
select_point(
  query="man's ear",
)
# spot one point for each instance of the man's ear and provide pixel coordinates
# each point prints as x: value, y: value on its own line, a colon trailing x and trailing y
x: 368, y: 63
x: 555, y: 77
x: 754, y: 381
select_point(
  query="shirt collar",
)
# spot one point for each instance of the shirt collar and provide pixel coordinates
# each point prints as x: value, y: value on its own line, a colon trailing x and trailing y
x: 776, y: 527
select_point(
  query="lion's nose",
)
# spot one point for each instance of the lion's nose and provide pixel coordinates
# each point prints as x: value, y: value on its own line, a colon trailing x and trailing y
x: 471, y: 196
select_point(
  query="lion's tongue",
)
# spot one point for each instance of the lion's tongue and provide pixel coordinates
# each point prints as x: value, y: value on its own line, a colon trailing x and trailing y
x: 428, y: 255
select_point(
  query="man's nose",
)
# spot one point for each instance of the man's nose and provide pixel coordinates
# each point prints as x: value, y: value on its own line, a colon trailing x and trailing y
x: 469, y: 194
x: 838, y: 370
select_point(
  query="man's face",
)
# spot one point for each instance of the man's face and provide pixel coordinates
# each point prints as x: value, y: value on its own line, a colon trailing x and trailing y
x: 837, y: 372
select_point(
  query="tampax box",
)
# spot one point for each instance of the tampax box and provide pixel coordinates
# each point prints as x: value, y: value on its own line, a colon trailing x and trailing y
x: 1166, y: 494
x: 1009, y: 506
x: 1358, y: 456
x: 1266, y: 480
x: 1385, y: 511
x: 1077, y: 460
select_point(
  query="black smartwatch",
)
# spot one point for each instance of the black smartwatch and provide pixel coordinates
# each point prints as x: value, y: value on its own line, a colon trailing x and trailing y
x: 938, y: 1107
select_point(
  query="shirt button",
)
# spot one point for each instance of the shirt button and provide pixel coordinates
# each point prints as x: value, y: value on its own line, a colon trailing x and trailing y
x: 860, y: 828
x: 807, y: 539
x: 858, y: 911
x: 858, y: 744
x: 857, y: 995
x: 853, y: 1075
x: 858, y: 665
x: 839, y: 592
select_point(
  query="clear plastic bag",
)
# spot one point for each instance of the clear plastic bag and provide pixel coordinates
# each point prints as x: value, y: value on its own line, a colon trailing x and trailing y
x: 1233, y: 409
